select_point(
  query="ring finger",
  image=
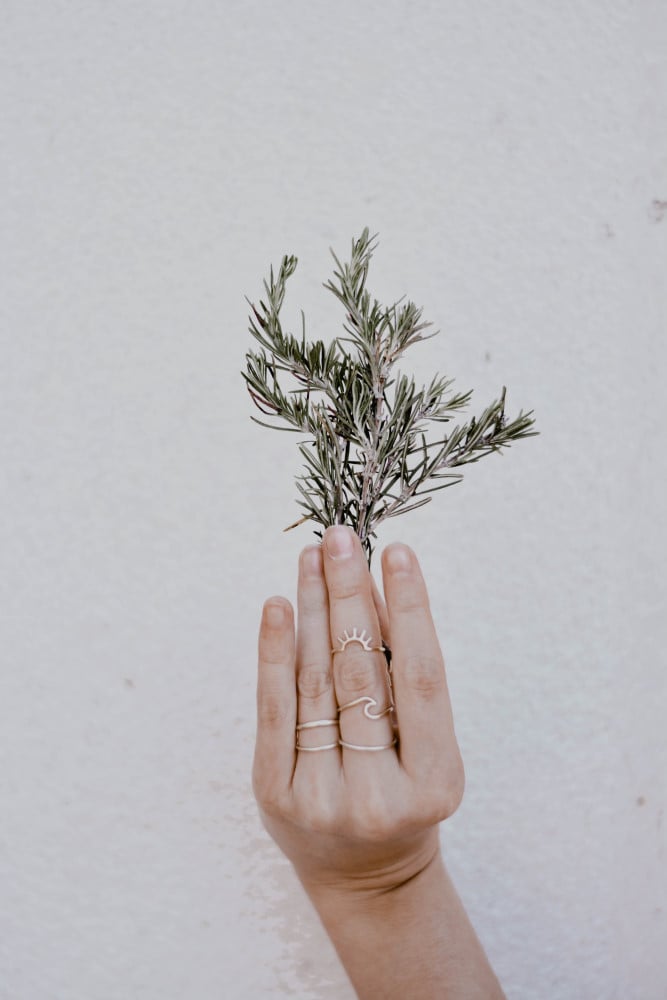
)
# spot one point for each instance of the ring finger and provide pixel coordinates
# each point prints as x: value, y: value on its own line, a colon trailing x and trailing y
x: 317, y: 716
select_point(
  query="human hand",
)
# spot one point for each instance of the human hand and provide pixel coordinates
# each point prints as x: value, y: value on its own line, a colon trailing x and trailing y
x: 349, y: 819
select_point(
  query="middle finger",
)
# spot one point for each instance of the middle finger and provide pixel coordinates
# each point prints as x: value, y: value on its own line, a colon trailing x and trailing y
x: 360, y: 667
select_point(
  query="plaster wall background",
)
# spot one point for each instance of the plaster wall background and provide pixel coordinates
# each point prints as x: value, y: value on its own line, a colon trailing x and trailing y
x: 156, y: 158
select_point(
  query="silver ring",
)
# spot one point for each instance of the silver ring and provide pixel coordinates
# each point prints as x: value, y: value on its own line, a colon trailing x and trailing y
x: 317, y: 724
x: 326, y: 746
x: 369, y: 703
x: 354, y: 746
x: 364, y: 640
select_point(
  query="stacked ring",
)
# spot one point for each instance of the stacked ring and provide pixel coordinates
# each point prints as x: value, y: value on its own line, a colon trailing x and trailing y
x: 368, y: 704
x: 316, y: 725
x: 365, y: 700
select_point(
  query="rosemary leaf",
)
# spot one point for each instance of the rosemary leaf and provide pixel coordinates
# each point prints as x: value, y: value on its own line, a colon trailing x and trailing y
x: 367, y: 455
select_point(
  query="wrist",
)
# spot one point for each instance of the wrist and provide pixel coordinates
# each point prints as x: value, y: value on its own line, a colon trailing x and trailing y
x: 422, y: 920
x: 391, y: 884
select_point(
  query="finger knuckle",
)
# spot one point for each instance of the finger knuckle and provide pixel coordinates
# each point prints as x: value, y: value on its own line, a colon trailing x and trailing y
x: 349, y: 585
x: 322, y: 817
x: 372, y: 827
x: 313, y: 680
x: 269, y: 798
x: 376, y: 820
x: 456, y: 786
x: 411, y: 599
x: 424, y: 674
x: 356, y: 672
x: 313, y: 601
x: 271, y: 810
x: 445, y: 797
x: 272, y: 710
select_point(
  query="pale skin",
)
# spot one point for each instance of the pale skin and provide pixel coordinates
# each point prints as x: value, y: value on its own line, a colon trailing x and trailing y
x: 362, y: 828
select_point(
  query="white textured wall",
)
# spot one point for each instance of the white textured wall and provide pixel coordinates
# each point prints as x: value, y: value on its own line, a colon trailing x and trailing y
x: 156, y: 158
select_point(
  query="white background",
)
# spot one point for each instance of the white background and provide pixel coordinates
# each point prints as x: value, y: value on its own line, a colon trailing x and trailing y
x: 156, y: 158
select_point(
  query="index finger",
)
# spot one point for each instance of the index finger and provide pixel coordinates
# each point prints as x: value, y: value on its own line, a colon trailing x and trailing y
x: 428, y: 749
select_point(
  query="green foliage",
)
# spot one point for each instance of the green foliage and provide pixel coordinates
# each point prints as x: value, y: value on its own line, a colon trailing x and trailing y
x: 367, y: 457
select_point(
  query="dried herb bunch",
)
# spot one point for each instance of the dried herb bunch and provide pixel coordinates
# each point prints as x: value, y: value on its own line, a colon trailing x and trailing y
x: 368, y: 457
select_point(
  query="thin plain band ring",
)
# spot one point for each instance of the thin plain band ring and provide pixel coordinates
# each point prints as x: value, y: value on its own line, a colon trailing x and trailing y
x: 368, y: 703
x: 327, y: 746
x: 355, y: 746
x: 317, y: 724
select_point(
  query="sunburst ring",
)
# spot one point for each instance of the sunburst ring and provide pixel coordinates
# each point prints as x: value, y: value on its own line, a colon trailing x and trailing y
x: 360, y: 637
x: 368, y: 704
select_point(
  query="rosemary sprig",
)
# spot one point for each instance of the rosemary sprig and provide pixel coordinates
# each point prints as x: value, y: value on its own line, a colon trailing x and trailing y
x: 367, y: 456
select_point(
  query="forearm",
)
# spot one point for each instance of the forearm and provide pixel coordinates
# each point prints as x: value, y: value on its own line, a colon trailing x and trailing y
x: 413, y: 941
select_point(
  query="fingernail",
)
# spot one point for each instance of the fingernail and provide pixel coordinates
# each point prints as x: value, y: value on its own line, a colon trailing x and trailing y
x: 339, y: 541
x: 399, y: 559
x: 312, y: 561
x: 274, y: 615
